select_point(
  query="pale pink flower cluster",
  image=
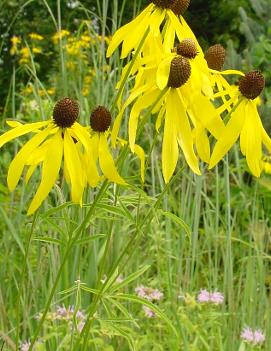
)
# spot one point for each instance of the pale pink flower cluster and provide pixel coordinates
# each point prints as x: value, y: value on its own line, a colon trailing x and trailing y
x: 67, y: 313
x: 148, y: 312
x: 215, y: 297
x: 253, y: 337
x: 25, y: 345
x: 149, y: 294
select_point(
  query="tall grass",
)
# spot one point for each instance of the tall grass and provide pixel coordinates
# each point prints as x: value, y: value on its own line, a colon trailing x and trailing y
x: 208, y: 232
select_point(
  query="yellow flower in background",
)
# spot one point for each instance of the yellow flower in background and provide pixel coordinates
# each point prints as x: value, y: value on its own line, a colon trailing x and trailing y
x: 151, y: 19
x: 60, y: 35
x: 244, y: 122
x: 266, y: 164
x: 53, y: 141
x: 100, y: 121
x: 35, y: 36
x: 37, y: 50
x: 15, y: 41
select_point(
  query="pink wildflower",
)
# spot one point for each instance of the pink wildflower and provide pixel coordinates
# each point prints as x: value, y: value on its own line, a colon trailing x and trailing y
x: 203, y: 296
x: 254, y: 338
x: 148, y: 312
x: 149, y: 294
x: 214, y: 297
x: 217, y: 297
x: 25, y: 346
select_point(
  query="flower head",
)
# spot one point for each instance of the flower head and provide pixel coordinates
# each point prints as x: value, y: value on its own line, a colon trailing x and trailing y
x: 148, y: 312
x: 244, y: 123
x: 215, y: 297
x: 53, y: 141
x: 158, y: 15
x: 149, y: 294
x: 100, y: 120
x: 24, y: 346
x: 215, y: 57
x: 253, y: 337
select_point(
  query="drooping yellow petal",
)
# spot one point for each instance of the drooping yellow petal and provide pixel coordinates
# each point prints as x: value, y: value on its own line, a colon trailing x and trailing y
x: 142, y: 102
x: 169, y: 37
x: 30, y: 172
x: 163, y: 72
x: 155, y: 21
x: 107, y: 163
x: 159, y: 118
x: 36, y: 157
x: 228, y: 72
x: 74, y: 168
x: 93, y: 176
x: 184, y: 133
x: 131, y: 98
x: 170, y: 152
x: 230, y: 134
x: 266, y: 139
x: 21, y: 130
x: 141, y: 155
x: 121, y: 34
x: 137, y: 29
x: 17, y: 165
x: 82, y: 134
x: 13, y: 124
x: 50, y: 170
x: 202, y: 144
x: 253, y: 139
x: 207, y: 115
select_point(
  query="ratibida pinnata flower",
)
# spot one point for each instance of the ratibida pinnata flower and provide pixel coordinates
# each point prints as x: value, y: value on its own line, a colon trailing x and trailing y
x: 53, y: 141
x: 244, y: 123
x: 159, y: 16
x: 176, y: 96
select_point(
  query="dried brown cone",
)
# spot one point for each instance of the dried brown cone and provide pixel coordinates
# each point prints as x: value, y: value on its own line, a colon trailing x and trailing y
x: 187, y: 48
x: 180, y: 6
x: 252, y: 84
x: 165, y: 4
x: 65, y: 112
x: 100, y: 119
x: 180, y: 71
x: 215, y: 57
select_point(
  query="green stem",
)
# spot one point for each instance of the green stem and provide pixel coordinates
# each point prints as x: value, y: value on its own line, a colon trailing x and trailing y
x: 127, y: 251
x: 70, y: 245
x: 22, y: 280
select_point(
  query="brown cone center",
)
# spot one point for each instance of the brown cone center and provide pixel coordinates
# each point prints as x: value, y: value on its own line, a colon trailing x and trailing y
x: 215, y: 57
x: 164, y: 4
x: 180, y: 71
x: 187, y: 48
x: 180, y: 6
x: 252, y: 84
x: 66, y: 112
x: 100, y: 119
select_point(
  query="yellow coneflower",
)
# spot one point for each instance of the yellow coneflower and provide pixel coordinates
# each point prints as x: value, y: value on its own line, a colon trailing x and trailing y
x: 215, y: 57
x: 53, y: 140
x: 151, y: 20
x: 99, y: 153
x: 245, y: 123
